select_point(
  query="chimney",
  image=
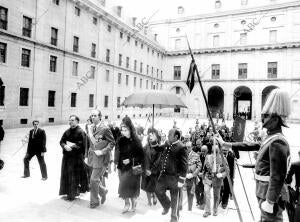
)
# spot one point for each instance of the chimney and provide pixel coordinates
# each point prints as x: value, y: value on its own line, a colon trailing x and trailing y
x: 119, y: 11
x: 133, y: 21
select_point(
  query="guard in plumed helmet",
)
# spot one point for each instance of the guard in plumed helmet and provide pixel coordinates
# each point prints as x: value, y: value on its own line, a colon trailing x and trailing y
x: 273, y: 158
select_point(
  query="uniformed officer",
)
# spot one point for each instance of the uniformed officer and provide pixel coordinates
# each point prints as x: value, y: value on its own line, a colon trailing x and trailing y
x: 273, y: 157
x: 173, y: 169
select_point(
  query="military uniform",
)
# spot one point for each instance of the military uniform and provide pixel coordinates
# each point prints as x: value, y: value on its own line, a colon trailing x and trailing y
x: 173, y: 168
x: 194, y: 167
x: 270, y: 171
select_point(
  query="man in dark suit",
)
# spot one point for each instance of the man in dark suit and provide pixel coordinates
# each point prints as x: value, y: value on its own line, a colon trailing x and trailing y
x: 173, y: 169
x: 2, y: 133
x: 36, y: 147
x: 295, y: 170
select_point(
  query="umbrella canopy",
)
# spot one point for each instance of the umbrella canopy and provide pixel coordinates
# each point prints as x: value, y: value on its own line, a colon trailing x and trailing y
x: 158, y: 99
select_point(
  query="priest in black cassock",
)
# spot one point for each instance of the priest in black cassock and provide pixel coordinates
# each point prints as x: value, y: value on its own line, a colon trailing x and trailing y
x: 74, y: 179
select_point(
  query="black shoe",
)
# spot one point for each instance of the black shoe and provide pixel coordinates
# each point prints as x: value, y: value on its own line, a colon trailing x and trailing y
x: 24, y: 176
x: 224, y: 206
x: 165, y: 211
x: 103, y: 198
x: 93, y: 206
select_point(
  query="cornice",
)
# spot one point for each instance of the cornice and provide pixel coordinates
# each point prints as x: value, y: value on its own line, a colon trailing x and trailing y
x: 246, y: 48
x: 234, y: 80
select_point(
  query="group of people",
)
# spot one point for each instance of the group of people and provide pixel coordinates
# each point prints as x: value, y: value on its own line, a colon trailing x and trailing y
x: 193, y: 162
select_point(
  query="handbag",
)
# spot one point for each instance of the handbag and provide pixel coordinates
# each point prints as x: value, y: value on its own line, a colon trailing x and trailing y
x: 136, y: 170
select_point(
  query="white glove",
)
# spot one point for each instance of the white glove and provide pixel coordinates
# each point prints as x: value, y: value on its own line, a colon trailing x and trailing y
x: 148, y: 172
x: 189, y: 176
x: 98, y: 152
x: 180, y: 185
x: 86, y: 160
x: 219, y: 175
x: 67, y: 148
x: 126, y: 161
x: 267, y: 207
x: 220, y: 139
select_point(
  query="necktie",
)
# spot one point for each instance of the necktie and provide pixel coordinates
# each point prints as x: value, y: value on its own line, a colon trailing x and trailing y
x: 33, y: 134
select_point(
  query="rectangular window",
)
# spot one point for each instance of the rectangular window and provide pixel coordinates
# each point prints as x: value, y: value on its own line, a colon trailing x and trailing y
x: 127, y: 62
x: 156, y: 86
x: 75, y: 44
x: 51, y: 120
x: 215, y: 71
x: 75, y: 69
x: 141, y: 67
x: 142, y: 45
x: 108, y: 28
x: 152, y: 85
x: 242, y: 68
x: 134, y: 81
x: 3, y: 18
x: 273, y: 36
x: 121, y: 35
x: 107, y: 55
x: 152, y: 70
x: 119, y: 78
x: 56, y: 2
x: 141, y: 83
x: 77, y: 11
x: 92, y: 74
x: 128, y: 38
x: 118, y: 102
x: 105, y: 101
x: 152, y: 52
x: 23, y: 121
x: 27, y: 26
x: 177, y: 72
x: 54, y: 33
x: 148, y: 49
x: 95, y: 20
x: 161, y: 86
x: 147, y: 82
x: 161, y: 74
x: 136, y: 42
x: 93, y: 50
x: 24, y: 95
x: 157, y: 71
x: 120, y: 59
x: 107, y: 76
x: 51, y: 98
x: 177, y: 44
x: 177, y: 90
x: 272, y: 69
x: 216, y: 41
x: 53, y: 60
x: 73, y: 99
x: 3, y: 47
x: 243, y: 38
x: 25, y: 60
x: 147, y: 69
x: 2, y: 95
x: 135, y: 64
x: 127, y: 80
x: 91, y: 100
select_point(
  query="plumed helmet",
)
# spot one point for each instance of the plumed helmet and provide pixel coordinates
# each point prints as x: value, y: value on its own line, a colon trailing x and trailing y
x: 278, y: 103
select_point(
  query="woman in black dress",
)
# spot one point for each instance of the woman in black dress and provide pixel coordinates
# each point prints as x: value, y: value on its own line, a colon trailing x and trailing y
x: 149, y: 178
x: 130, y: 154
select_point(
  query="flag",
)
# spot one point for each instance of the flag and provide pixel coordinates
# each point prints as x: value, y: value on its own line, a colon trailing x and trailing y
x: 191, y: 76
x: 238, y: 129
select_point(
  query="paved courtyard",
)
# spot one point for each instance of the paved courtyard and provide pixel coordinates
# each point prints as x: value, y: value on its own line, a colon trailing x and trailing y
x: 32, y: 199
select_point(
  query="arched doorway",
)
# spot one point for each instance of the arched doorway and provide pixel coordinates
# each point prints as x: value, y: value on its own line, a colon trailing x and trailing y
x: 216, y: 100
x: 265, y: 93
x: 242, y: 102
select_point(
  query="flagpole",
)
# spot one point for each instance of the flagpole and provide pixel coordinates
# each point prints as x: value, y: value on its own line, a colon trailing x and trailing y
x: 214, y: 130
